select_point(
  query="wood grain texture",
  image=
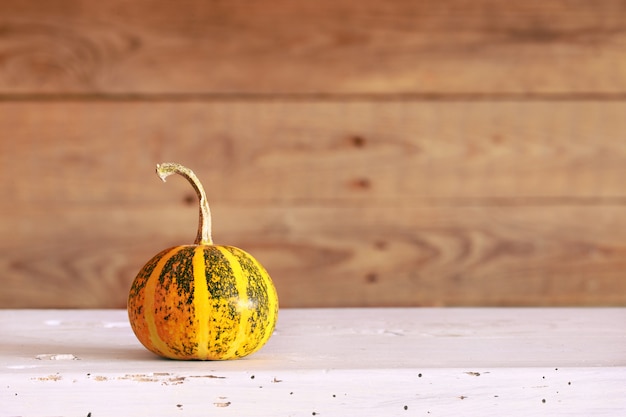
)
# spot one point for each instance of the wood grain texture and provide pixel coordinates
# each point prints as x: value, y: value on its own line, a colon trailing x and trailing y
x: 345, y: 203
x: 325, y: 47
x: 331, y: 256
x: 379, y: 153
x: 320, y: 153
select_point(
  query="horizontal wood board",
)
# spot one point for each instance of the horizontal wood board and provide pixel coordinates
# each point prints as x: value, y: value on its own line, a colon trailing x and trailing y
x: 332, y: 256
x: 324, y: 47
x: 315, y: 152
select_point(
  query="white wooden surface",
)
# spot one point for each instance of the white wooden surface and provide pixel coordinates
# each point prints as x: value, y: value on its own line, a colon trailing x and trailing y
x: 327, y: 362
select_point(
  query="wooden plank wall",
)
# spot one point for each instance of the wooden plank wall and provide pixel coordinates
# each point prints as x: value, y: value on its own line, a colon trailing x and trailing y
x: 372, y: 153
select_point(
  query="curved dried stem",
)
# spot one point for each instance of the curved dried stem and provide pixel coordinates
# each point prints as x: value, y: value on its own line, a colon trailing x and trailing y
x: 164, y: 170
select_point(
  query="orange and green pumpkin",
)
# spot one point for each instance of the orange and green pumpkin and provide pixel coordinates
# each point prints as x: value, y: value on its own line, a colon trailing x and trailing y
x: 202, y: 301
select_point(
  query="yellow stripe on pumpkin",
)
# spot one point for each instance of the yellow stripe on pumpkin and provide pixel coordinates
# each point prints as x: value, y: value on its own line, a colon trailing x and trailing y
x: 243, y: 309
x: 158, y: 346
x: 201, y: 303
x: 272, y: 300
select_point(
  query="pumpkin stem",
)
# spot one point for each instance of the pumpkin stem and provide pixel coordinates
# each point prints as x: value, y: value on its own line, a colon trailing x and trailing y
x: 166, y: 169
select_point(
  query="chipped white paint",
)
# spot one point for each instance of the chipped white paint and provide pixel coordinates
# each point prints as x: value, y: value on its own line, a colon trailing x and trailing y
x: 333, y: 362
x: 56, y: 357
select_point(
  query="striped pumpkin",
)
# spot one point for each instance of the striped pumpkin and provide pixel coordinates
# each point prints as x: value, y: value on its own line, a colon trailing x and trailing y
x: 202, y: 301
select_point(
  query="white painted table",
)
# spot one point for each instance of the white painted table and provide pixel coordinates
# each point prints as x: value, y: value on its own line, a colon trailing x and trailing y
x: 326, y: 362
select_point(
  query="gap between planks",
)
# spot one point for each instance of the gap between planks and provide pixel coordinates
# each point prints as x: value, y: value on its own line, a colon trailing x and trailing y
x: 315, y: 97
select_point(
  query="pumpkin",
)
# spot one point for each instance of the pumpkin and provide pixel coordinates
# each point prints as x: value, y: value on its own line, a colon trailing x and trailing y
x: 202, y: 301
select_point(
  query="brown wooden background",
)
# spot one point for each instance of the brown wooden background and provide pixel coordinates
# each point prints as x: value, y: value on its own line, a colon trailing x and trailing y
x: 370, y: 153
